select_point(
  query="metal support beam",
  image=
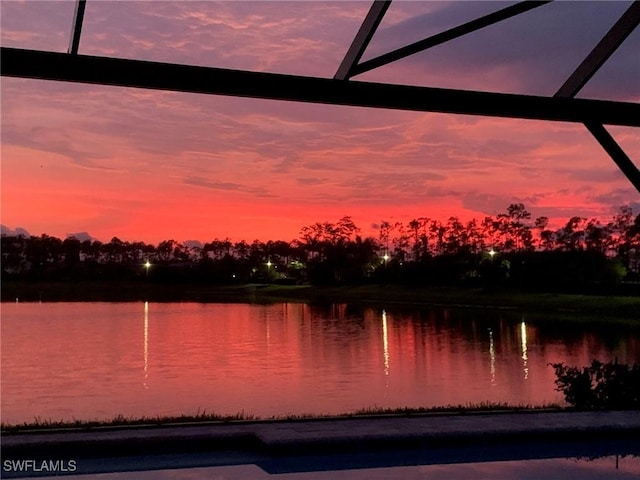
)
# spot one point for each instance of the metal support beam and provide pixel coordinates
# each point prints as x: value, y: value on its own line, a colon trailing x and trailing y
x: 448, y: 35
x: 362, y: 38
x: 598, y: 56
x: 240, y: 83
x: 601, y: 53
x: 78, y: 16
x: 616, y: 153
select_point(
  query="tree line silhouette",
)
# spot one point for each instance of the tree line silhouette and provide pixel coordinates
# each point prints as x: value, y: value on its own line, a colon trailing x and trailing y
x: 508, y: 250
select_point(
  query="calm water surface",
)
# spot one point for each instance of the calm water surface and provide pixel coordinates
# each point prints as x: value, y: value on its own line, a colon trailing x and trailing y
x: 98, y: 360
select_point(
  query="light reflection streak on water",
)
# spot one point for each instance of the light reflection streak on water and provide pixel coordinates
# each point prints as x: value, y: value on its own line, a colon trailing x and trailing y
x: 385, y: 342
x: 525, y: 358
x: 492, y: 359
x: 268, y: 340
x: 268, y: 331
x: 334, y: 366
x: 146, y: 344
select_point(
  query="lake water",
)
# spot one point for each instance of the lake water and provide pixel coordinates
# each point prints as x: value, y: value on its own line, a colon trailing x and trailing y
x: 98, y: 360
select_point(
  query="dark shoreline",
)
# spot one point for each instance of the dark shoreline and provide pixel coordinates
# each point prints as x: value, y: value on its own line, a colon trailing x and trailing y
x: 624, y: 309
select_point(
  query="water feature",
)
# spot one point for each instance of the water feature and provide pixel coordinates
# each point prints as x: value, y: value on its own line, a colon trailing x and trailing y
x: 606, y: 468
x: 98, y: 360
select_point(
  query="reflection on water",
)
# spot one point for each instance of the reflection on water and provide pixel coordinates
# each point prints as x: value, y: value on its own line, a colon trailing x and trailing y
x: 385, y: 342
x: 492, y: 359
x: 523, y: 338
x: 83, y: 361
x: 146, y: 344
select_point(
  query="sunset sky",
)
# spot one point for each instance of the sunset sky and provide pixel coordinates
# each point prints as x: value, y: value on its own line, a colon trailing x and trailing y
x: 150, y: 165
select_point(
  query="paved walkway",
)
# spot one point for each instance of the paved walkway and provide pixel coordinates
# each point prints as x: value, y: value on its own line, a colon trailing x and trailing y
x: 299, y: 442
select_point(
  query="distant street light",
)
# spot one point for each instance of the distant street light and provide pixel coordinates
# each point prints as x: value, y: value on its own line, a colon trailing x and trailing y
x: 269, y: 270
x: 386, y: 257
x: 147, y: 266
x: 492, y: 252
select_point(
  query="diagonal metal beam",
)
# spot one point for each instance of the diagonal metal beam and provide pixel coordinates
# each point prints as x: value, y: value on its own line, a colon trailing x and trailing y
x: 362, y: 38
x: 615, y: 152
x: 241, y: 83
x: 602, y: 51
x: 447, y: 35
x: 74, y: 42
x: 629, y: 20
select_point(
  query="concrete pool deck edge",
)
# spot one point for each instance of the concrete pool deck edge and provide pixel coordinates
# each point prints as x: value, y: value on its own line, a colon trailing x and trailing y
x: 327, y: 436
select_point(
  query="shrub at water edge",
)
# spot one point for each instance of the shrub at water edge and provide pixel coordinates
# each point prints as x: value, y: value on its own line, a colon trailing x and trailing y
x: 600, y: 386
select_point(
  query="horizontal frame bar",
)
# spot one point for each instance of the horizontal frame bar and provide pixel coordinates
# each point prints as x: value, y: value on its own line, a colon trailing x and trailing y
x: 207, y: 80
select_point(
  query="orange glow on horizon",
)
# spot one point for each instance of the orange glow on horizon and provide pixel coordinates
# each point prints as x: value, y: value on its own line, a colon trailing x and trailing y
x: 148, y: 165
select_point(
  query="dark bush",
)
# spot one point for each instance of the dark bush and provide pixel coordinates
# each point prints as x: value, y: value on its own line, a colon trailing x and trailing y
x: 600, y: 386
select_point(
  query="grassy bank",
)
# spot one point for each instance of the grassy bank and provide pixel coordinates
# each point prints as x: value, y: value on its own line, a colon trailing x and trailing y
x: 202, y: 418
x: 620, y: 308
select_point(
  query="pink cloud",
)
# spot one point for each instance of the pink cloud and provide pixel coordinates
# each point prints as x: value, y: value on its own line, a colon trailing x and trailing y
x: 153, y: 165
